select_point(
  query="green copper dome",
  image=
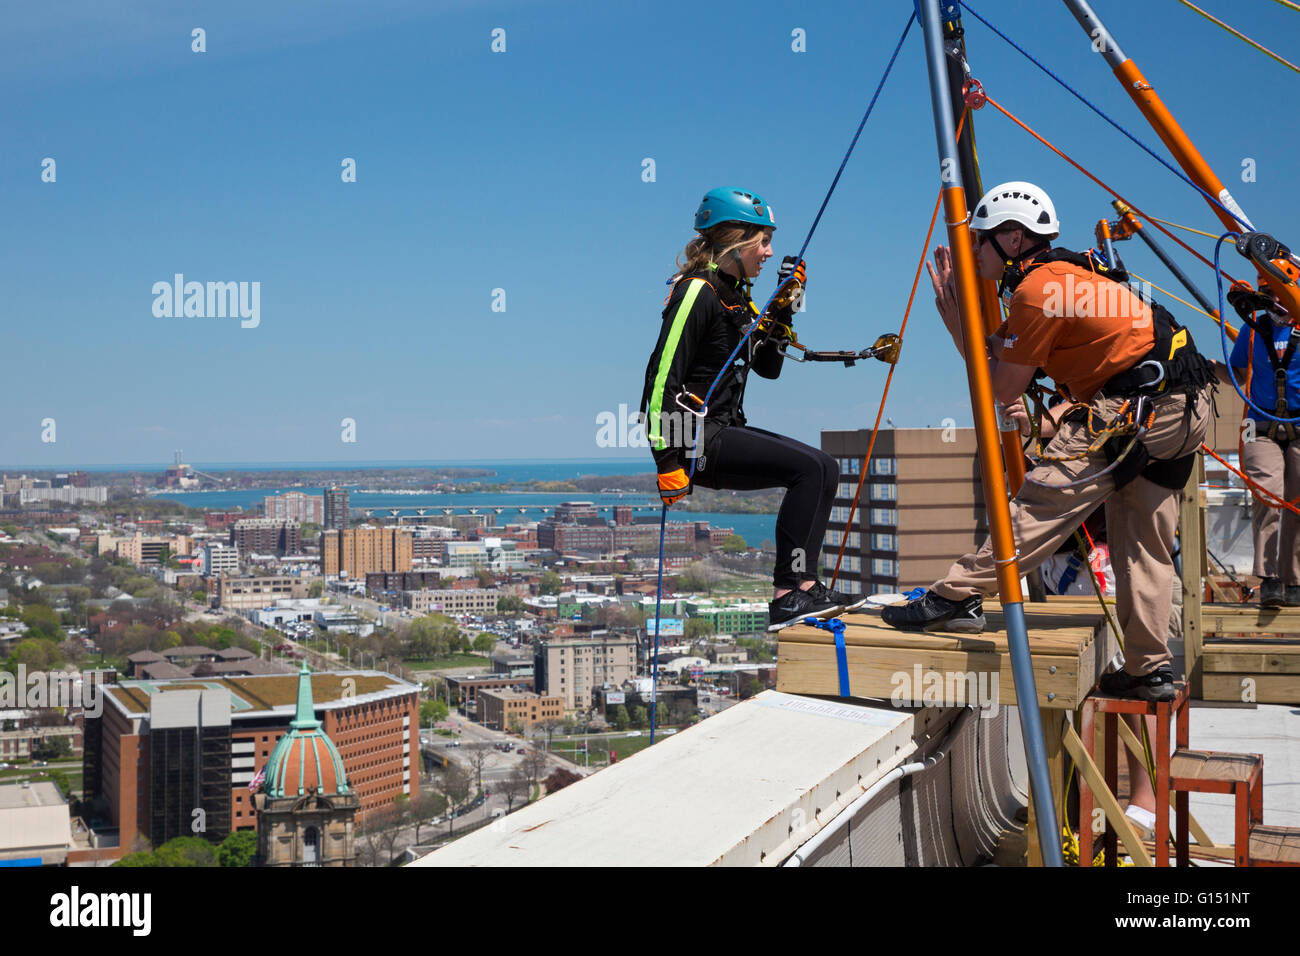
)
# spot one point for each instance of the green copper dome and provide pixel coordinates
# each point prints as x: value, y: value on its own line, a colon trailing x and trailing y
x: 304, y: 760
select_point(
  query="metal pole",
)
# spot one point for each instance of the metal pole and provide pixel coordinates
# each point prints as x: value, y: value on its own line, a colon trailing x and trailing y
x: 1221, y: 202
x: 1126, y: 214
x: 990, y: 306
x: 986, y: 432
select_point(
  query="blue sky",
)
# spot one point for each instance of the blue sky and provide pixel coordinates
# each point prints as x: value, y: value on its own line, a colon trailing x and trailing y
x: 522, y: 171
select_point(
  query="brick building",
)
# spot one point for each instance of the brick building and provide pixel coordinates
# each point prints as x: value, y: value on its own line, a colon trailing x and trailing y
x: 516, y: 711
x: 266, y: 536
x: 161, y: 749
x: 362, y: 551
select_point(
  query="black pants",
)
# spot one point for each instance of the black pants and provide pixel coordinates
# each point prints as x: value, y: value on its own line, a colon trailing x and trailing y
x: 748, y: 459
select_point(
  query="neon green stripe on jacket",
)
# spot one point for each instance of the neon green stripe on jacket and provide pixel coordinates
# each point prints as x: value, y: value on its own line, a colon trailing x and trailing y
x: 655, y: 411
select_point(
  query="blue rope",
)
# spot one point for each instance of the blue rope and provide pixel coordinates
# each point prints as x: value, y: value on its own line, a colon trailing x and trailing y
x: 659, y: 597
x: 1223, y: 337
x: 1214, y: 200
x: 726, y: 366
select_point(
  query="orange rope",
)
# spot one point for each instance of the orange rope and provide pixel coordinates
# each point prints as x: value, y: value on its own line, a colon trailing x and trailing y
x: 866, y: 462
x: 1258, y: 489
x: 1001, y: 109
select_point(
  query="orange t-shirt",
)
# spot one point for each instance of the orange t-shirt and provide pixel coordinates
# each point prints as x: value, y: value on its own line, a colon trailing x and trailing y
x: 1078, y: 327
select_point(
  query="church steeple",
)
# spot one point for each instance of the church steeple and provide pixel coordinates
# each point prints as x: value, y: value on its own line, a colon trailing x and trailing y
x: 305, y: 718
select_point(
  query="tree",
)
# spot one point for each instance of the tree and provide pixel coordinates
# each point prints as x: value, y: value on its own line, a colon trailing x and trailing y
x: 484, y: 577
x: 560, y: 778
x: 52, y: 747
x: 735, y: 544
x: 549, y: 726
x: 477, y: 754
x: 186, y: 851
x: 316, y: 589
x: 41, y: 621
x: 550, y: 583
x: 238, y: 849
x: 484, y: 643
x: 455, y: 786
x: 433, y: 712
x: 749, y: 687
x: 424, y: 808
x: 511, y: 604
x: 516, y: 787
x: 533, y: 765
x: 618, y: 717
x: 638, y: 716
x: 697, y: 627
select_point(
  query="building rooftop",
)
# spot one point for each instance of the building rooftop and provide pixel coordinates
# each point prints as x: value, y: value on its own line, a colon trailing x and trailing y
x: 506, y: 693
x: 42, y: 793
x: 269, y: 693
x: 189, y: 650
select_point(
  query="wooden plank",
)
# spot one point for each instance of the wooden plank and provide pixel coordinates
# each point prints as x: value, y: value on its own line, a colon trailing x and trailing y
x: 1101, y: 793
x: 1252, y: 659
x: 1261, y: 689
x: 1249, y: 619
x: 868, y: 633
x: 890, y: 673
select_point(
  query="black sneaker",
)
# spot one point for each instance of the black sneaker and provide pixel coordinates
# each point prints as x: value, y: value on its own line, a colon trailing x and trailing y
x: 1271, y: 593
x: 851, y: 602
x: 1158, y: 685
x: 933, y: 613
x: 1292, y: 598
x: 794, y: 607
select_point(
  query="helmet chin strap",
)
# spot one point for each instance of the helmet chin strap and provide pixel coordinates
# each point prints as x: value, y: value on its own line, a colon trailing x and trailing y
x: 1012, y: 272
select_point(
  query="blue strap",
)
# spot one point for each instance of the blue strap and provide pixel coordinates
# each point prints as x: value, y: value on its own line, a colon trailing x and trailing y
x: 836, y: 627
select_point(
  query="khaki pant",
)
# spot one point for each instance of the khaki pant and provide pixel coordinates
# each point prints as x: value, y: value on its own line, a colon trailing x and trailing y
x: 1141, y: 519
x: 1278, y: 470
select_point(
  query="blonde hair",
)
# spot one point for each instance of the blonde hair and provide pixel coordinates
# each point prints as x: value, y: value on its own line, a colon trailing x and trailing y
x: 714, y: 244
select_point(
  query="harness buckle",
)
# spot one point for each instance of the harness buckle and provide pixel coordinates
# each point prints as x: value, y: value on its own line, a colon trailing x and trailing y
x: 1160, y: 374
x: 703, y: 409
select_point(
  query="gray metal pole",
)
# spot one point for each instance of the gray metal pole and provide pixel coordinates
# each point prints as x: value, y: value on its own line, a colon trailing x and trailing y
x: 1022, y: 670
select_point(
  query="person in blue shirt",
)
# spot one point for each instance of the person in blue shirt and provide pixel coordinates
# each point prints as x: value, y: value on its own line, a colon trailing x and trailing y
x: 1270, y: 451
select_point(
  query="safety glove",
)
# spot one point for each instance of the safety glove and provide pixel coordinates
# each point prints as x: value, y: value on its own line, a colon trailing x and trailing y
x: 674, y: 486
x: 790, y: 281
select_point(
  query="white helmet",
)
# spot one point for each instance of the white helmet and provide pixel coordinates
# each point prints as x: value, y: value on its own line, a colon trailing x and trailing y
x: 1018, y: 202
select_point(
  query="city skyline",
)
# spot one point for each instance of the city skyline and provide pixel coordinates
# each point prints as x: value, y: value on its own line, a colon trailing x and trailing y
x: 528, y: 191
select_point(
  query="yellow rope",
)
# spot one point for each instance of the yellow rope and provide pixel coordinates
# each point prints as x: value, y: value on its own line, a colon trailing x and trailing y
x: 1190, y: 305
x: 1288, y: 3
x: 1241, y: 36
x: 1199, y: 232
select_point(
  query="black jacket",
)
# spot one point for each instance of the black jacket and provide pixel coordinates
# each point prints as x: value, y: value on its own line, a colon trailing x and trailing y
x: 691, y: 348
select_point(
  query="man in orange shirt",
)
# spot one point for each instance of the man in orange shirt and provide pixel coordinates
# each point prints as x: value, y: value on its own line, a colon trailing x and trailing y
x: 1082, y: 325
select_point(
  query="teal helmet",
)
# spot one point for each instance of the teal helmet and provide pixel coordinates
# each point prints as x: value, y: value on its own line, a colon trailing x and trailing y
x: 728, y: 204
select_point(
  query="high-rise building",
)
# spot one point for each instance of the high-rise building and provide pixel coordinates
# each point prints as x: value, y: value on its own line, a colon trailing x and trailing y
x: 266, y: 536
x: 573, y: 668
x: 336, y: 509
x: 361, y: 551
x: 295, y: 506
x: 922, y: 502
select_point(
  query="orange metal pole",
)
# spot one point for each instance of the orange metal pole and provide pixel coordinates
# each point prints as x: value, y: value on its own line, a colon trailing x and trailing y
x: 1013, y: 455
x: 1171, y: 134
x: 981, y: 392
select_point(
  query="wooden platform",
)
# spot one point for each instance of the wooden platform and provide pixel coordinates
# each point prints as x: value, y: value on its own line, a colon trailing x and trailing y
x: 1069, y: 645
x: 1250, y: 654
